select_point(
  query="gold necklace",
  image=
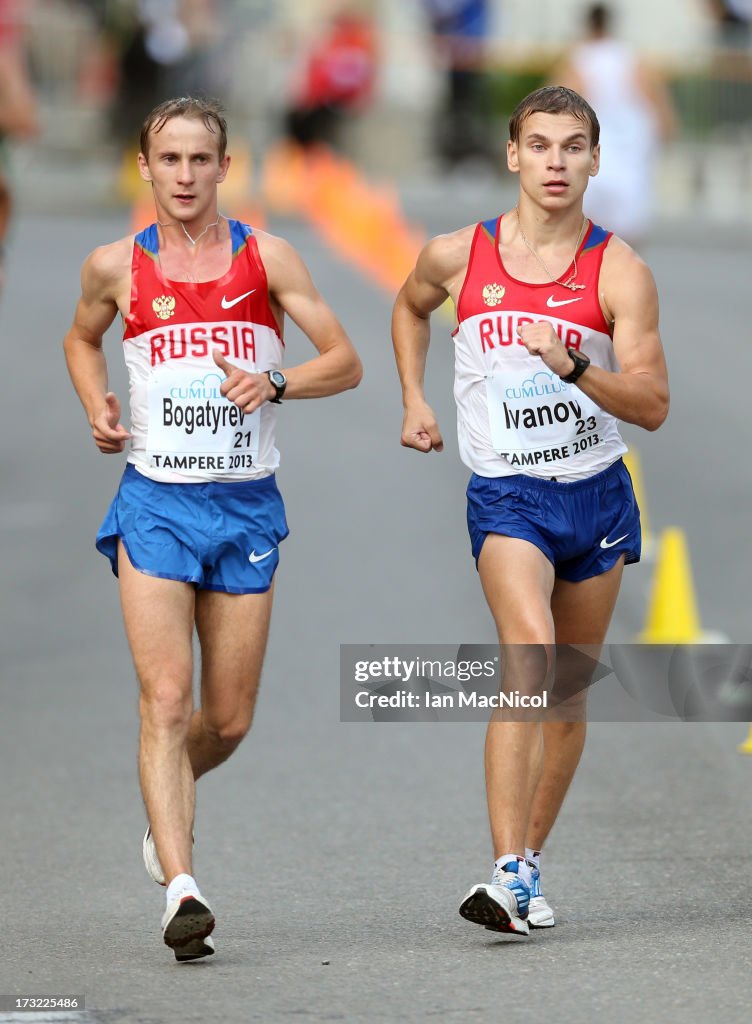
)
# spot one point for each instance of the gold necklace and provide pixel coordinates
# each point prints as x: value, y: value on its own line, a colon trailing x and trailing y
x: 569, y: 283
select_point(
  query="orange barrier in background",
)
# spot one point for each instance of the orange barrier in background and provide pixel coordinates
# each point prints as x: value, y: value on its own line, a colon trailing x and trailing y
x: 363, y: 222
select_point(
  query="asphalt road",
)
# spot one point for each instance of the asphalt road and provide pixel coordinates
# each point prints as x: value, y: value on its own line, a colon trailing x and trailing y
x: 335, y: 854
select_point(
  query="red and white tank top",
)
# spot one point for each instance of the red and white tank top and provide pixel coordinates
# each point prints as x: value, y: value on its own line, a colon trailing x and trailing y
x: 514, y: 415
x: 184, y: 430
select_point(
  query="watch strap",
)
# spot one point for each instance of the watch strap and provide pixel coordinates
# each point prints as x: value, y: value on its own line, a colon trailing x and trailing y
x: 279, y: 389
x: 581, y: 364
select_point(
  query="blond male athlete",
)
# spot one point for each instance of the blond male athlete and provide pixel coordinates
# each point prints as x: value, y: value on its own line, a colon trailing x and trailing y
x: 194, y: 530
x: 556, y: 340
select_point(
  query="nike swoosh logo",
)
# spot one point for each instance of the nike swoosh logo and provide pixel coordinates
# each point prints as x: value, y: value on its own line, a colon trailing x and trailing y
x: 606, y: 543
x: 552, y: 302
x: 229, y: 303
x: 253, y: 557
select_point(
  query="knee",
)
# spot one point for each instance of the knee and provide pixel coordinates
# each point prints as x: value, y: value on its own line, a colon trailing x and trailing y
x: 166, y: 706
x: 528, y: 666
x: 566, y: 725
x: 227, y: 734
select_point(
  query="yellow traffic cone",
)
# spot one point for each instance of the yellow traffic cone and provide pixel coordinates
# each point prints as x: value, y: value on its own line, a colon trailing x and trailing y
x: 672, y: 614
x: 746, y: 746
x: 634, y: 465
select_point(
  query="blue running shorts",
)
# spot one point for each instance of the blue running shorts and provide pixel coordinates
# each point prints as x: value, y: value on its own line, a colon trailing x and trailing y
x: 583, y: 528
x: 219, y: 536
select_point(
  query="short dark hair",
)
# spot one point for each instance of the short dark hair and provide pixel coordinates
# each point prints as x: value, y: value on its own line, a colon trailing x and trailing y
x: 207, y: 110
x: 598, y: 18
x: 554, y: 99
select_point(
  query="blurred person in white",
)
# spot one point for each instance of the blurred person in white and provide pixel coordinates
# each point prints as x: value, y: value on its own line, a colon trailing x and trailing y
x: 636, y: 114
x: 18, y: 106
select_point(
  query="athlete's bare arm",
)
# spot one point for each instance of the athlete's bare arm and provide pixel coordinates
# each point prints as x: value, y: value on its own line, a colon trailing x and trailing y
x: 439, y: 273
x: 638, y: 393
x: 105, y: 291
x: 18, y: 107
x: 291, y: 290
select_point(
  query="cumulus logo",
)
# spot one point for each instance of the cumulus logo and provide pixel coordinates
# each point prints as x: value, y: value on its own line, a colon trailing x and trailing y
x: 206, y: 388
x: 540, y: 384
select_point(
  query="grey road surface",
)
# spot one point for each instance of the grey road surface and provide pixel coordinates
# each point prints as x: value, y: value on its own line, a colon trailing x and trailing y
x: 335, y: 854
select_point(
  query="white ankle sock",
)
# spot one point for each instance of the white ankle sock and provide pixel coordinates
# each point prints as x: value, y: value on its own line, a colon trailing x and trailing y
x: 180, y: 885
x: 533, y: 857
x: 523, y: 869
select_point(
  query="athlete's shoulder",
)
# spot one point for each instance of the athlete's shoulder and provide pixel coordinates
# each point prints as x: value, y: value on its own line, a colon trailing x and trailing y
x: 453, y: 242
x: 446, y: 255
x: 109, y: 260
x: 283, y: 264
x: 626, y: 280
x: 273, y: 246
x: 106, y: 266
x: 620, y: 258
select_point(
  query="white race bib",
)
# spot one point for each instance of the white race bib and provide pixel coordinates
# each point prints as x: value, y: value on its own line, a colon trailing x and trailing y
x: 193, y: 427
x: 537, y: 417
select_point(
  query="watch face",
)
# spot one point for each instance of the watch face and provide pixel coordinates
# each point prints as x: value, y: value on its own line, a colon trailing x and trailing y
x: 278, y: 379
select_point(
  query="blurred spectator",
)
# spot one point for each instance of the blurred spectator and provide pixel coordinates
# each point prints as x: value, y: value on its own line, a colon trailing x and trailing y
x: 459, y: 30
x: 155, y: 40
x: 636, y: 114
x: 166, y: 52
x: 336, y: 79
x: 18, y: 107
x: 734, y: 21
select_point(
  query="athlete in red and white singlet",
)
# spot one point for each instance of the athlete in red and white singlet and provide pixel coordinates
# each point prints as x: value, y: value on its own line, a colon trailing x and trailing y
x: 557, y: 340
x: 183, y: 428
x: 194, y: 530
x: 515, y: 415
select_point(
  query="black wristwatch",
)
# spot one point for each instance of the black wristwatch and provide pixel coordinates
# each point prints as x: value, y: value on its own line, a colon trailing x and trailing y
x: 279, y: 383
x: 581, y: 364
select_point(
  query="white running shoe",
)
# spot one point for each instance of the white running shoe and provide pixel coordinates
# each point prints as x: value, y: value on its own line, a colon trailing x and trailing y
x: 501, y: 906
x: 151, y: 860
x: 195, y: 949
x: 187, y: 920
x: 539, y: 914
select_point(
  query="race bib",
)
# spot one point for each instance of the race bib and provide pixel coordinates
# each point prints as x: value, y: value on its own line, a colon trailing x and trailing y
x: 193, y: 427
x: 538, y: 417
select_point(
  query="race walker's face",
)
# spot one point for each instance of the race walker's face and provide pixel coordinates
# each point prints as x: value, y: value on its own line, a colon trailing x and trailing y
x: 554, y: 159
x: 184, y: 169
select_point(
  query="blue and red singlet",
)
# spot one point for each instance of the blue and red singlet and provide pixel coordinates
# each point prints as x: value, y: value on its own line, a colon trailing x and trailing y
x: 184, y: 430
x: 514, y: 415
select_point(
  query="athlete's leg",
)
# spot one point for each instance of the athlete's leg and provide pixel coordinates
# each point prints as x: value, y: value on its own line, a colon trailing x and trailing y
x: 232, y: 629
x: 582, y: 613
x: 158, y: 617
x: 517, y: 580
